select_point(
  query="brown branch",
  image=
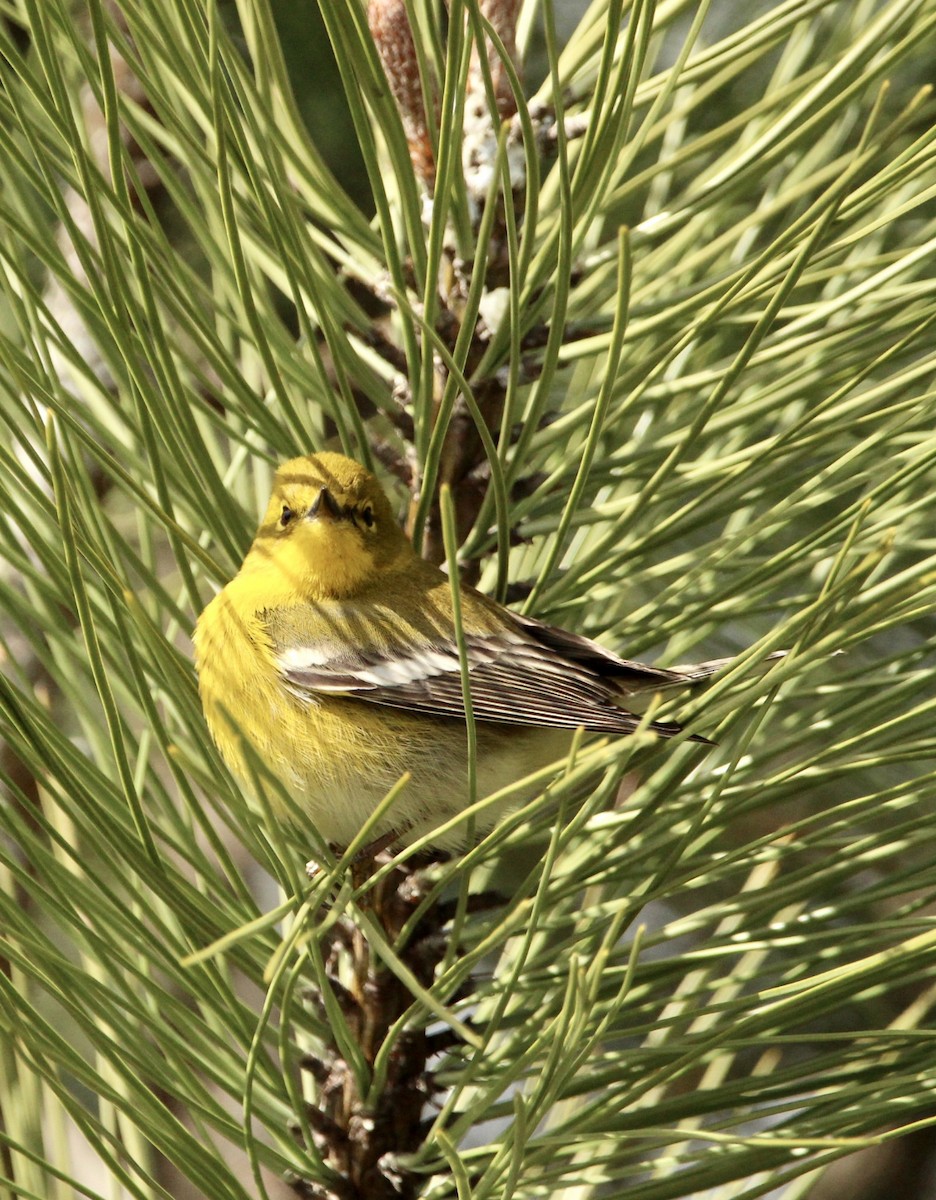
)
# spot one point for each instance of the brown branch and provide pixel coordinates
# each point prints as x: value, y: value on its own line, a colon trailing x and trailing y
x: 367, y: 1147
x: 502, y: 14
x: 393, y: 37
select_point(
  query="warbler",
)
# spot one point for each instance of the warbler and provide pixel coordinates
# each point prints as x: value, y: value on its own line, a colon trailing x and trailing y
x: 333, y: 654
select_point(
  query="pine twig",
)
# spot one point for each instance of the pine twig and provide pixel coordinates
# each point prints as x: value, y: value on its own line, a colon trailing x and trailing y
x: 366, y: 1146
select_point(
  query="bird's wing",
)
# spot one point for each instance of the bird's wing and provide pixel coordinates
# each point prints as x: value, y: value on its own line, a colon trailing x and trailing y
x: 515, y: 679
x: 628, y: 676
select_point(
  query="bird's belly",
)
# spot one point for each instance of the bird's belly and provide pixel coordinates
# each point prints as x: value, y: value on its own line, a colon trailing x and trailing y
x: 380, y: 747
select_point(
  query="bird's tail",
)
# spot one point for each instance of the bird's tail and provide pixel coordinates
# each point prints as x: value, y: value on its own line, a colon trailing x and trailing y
x: 695, y: 674
x: 636, y: 694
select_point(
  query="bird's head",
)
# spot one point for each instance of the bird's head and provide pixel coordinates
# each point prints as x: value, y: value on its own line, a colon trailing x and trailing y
x: 329, y: 529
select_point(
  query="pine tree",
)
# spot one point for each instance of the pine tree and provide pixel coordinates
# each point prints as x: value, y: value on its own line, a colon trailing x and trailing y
x: 640, y: 326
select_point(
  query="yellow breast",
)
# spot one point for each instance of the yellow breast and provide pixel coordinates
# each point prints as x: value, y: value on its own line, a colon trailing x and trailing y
x: 338, y: 757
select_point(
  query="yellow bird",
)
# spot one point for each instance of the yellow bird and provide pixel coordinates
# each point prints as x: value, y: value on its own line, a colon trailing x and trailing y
x: 332, y: 653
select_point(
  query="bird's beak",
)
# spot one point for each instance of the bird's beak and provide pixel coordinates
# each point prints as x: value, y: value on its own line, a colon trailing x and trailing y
x: 326, y: 506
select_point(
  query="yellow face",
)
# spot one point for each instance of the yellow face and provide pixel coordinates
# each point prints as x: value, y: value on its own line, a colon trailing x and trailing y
x: 327, y: 529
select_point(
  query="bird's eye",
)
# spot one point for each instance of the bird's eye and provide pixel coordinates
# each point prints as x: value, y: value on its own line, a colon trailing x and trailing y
x: 367, y: 516
x: 286, y: 516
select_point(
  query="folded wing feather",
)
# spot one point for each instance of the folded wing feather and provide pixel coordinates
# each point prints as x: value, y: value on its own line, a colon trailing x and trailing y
x: 530, y: 675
